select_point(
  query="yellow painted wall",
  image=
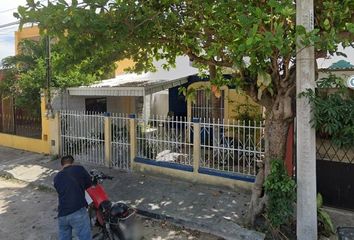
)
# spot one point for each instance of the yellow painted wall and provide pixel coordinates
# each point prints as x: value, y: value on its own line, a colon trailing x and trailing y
x: 23, y: 143
x: 121, y: 65
x: 26, y: 33
x: 238, y: 101
x: 32, y: 144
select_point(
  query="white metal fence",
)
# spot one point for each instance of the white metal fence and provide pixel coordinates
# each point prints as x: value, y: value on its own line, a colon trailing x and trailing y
x: 226, y: 147
x: 232, y: 146
x: 165, y: 140
x: 82, y: 136
x: 120, y: 141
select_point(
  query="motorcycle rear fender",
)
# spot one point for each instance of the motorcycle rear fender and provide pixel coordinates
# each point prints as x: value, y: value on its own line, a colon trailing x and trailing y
x: 98, y: 194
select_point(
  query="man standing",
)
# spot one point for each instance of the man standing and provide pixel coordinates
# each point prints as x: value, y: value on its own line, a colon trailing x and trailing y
x: 71, y: 183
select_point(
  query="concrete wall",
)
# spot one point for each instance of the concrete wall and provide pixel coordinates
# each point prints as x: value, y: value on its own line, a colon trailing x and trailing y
x: 192, y: 177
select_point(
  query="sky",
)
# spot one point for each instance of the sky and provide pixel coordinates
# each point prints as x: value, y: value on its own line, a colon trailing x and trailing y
x: 7, y: 35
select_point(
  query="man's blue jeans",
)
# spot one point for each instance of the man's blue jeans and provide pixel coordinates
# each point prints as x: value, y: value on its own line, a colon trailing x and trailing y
x: 79, y: 221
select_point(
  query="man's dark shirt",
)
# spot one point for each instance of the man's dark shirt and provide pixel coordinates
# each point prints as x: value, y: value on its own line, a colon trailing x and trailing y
x: 71, y: 183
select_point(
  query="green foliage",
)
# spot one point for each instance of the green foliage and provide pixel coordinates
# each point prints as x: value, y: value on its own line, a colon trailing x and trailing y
x: 332, y: 106
x: 325, y: 225
x: 254, y: 41
x: 218, y: 33
x: 25, y: 73
x: 280, y: 189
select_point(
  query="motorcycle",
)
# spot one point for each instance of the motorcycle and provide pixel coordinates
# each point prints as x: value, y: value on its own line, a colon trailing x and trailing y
x: 114, y: 220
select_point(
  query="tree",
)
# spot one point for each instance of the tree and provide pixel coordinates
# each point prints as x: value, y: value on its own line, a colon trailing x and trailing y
x: 25, y: 73
x: 15, y: 68
x: 256, y: 40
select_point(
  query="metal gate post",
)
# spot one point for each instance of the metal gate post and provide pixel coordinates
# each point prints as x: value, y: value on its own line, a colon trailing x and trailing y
x: 55, y: 134
x: 108, y: 141
x: 196, y: 145
x: 132, y: 139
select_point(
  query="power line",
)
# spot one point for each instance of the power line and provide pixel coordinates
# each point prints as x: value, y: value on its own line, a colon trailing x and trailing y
x: 8, y: 28
x: 9, y: 24
x: 8, y: 10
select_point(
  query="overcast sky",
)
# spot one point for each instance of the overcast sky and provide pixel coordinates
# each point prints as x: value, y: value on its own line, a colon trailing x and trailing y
x: 7, y: 35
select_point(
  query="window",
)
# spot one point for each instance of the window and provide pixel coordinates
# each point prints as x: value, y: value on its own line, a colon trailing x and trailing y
x: 96, y: 105
x: 202, y: 106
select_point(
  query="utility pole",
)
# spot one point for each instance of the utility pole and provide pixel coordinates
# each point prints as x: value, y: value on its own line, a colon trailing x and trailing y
x: 306, y: 227
x: 48, y: 106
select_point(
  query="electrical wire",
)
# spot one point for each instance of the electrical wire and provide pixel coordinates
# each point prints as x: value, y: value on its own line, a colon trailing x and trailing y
x: 8, y: 10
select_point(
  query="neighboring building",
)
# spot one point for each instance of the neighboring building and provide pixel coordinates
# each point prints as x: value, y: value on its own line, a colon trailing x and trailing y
x: 30, y: 33
x: 335, y: 166
x: 342, y: 69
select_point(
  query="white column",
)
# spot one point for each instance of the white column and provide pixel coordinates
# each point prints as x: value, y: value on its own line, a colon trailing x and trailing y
x: 147, y: 107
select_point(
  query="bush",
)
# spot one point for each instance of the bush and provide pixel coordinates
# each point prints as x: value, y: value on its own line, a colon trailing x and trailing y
x: 332, y: 108
x: 280, y: 189
x: 325, y: 225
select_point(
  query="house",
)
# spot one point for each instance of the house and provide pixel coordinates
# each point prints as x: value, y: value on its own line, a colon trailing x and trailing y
x: 144, y: 94
x: 157, y: 93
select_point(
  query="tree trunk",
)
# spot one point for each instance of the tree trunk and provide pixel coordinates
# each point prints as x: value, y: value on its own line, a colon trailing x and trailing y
x: 278, y: 119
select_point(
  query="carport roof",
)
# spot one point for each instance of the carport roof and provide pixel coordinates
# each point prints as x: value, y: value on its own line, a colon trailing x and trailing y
x: 140, y: 84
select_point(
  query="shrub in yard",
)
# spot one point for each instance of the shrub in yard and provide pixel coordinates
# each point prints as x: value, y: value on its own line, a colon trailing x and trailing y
x: 280, y: 189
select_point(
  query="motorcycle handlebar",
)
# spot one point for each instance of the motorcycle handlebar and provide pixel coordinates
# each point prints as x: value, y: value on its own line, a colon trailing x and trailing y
x: 108, y: 177
x: 100, y: 175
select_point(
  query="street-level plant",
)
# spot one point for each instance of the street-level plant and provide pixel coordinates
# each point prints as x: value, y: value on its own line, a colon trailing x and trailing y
x: 280, y: 190
x: 325, y: 225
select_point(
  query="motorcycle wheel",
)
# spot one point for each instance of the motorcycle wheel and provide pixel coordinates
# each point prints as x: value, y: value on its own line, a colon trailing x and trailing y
x: 105, y: 236
x: 117, y: 234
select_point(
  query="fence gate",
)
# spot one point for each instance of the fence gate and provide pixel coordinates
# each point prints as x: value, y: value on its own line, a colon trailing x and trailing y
x: 82, y: 136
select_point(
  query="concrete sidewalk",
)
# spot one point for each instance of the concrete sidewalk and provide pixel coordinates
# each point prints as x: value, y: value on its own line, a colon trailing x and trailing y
x: 218, y: 211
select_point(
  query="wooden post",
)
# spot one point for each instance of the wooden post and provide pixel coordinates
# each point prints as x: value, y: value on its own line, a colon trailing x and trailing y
x: 306, y: 228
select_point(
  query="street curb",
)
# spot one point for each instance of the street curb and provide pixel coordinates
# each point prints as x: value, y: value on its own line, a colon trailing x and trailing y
x: 192, y: 225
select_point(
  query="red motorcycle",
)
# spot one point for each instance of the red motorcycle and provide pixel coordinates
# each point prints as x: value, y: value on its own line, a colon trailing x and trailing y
x: 115, y: 220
